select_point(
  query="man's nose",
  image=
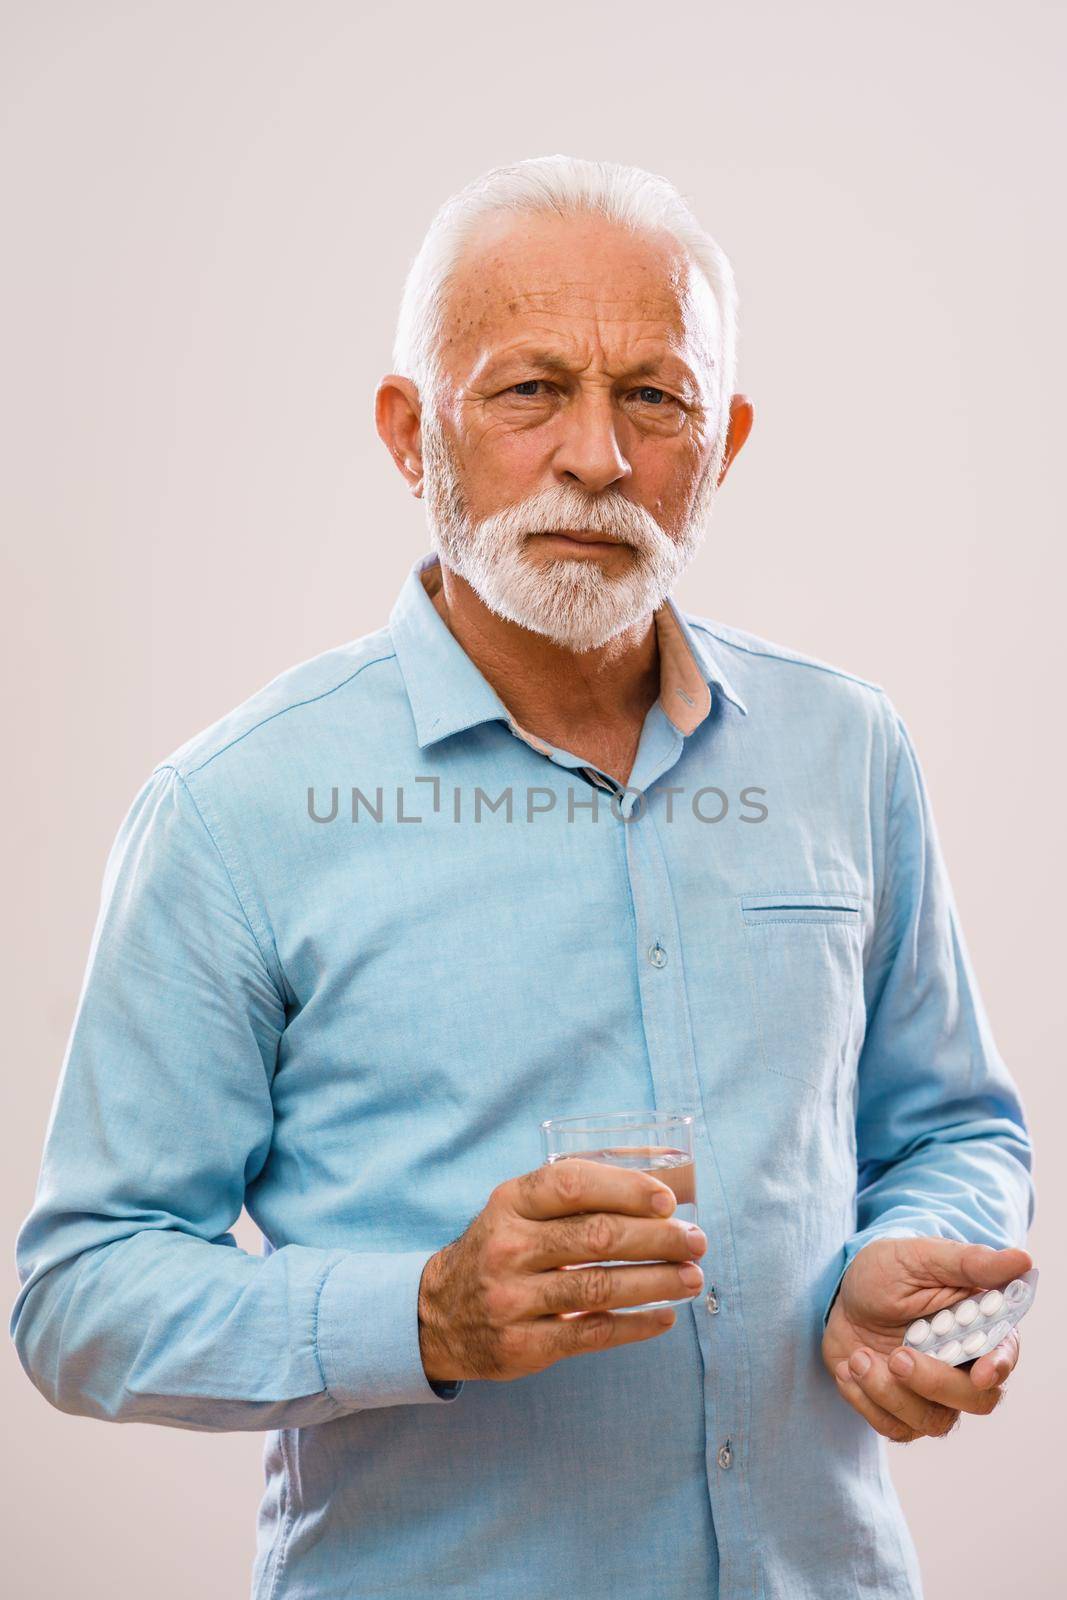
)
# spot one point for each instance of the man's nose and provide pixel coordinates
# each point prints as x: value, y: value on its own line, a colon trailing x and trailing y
x: 589, y: 451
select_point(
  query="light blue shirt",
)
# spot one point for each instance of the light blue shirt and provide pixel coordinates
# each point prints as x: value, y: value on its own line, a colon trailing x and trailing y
x: 355, y: 1027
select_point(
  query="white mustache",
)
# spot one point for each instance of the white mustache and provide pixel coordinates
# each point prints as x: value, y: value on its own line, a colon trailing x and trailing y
x: 566, y: 510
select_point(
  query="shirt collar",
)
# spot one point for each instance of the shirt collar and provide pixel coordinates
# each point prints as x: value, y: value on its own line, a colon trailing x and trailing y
x: 448, y: 694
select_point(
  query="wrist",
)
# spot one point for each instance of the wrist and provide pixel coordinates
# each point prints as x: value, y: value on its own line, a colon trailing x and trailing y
x: 432, y: 1348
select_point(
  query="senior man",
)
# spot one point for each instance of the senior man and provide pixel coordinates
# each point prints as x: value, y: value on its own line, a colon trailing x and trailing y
x: 543, y: 845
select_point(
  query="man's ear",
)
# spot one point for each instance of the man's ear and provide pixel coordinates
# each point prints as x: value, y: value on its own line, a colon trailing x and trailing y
x: 740, y: 426
x: 398, y: 418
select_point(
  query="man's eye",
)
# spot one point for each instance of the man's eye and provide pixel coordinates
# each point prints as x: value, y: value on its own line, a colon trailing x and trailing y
x: 529, y: 386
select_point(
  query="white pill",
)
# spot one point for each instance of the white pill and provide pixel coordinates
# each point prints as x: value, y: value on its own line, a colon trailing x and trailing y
x: 992, y: 1302
x: 966, y: 1312
x: 944, y: 1321
x: 950, y: 1351
x: 918, y: 1331
x: 1016, y: 1292
x: 973, y: 1343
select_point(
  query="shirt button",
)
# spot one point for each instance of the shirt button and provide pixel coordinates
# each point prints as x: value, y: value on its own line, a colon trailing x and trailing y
x: 725, y: 1457
x: 711, y: 1300
x: 657, y: 955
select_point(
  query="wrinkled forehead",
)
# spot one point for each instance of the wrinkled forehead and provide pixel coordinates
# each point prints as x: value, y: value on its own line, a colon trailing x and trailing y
x: 592, y: 283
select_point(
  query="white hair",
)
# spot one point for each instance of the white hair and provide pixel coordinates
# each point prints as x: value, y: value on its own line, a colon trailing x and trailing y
x: 564, y: 186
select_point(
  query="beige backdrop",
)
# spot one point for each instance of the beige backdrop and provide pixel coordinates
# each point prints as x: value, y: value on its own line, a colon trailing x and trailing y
x: 208, y: 210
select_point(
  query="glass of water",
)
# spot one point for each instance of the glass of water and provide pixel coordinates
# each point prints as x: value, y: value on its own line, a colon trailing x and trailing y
x: 657, y: 1142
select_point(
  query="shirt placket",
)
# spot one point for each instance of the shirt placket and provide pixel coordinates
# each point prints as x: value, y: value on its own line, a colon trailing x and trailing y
x: 717, y: 1310
x: 676, y: 1086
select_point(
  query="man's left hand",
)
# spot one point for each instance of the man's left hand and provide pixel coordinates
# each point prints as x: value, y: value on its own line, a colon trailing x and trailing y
x: 890, y: 1283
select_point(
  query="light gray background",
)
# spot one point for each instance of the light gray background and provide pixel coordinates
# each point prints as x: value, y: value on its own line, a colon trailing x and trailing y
x: 208, y: 209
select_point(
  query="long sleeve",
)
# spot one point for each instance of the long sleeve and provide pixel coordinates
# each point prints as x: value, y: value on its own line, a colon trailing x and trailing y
x: 943, y: 1147
x: 136, y: 1304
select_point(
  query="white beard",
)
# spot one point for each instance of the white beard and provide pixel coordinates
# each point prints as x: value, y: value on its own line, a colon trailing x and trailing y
x: 571, y: 600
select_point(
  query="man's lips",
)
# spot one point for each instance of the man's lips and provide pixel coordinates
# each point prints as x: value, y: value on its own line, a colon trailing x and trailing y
x: 574, y: 540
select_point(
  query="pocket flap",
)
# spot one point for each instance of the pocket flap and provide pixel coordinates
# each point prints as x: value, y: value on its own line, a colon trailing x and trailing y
x: 804, y: 905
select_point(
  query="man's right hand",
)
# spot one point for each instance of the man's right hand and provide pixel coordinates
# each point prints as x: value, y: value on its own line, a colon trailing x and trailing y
x: 490, y: 1302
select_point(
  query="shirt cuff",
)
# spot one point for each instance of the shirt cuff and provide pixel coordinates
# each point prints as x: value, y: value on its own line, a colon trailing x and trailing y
x: 853, y: 1246
x: 367, y: 1333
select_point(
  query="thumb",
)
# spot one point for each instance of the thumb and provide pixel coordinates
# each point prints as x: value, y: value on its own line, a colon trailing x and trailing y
x: 975, y: 1266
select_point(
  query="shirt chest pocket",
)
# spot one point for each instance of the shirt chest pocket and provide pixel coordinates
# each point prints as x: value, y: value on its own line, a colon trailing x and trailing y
x: 805, y: 955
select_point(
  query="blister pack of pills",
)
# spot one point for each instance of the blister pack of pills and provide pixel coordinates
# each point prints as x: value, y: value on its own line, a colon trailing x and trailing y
x: 973, y: 1327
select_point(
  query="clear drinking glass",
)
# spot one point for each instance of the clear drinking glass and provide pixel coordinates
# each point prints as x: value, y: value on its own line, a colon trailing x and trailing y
x: 657, y: 1142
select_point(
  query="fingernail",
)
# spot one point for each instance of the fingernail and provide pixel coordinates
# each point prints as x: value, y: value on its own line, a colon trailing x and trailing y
x: 664, y: 1204
x: 843, y: 1372
x: 698, y: 1239
x: 902, y: 1363
x: 859, y: 1362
